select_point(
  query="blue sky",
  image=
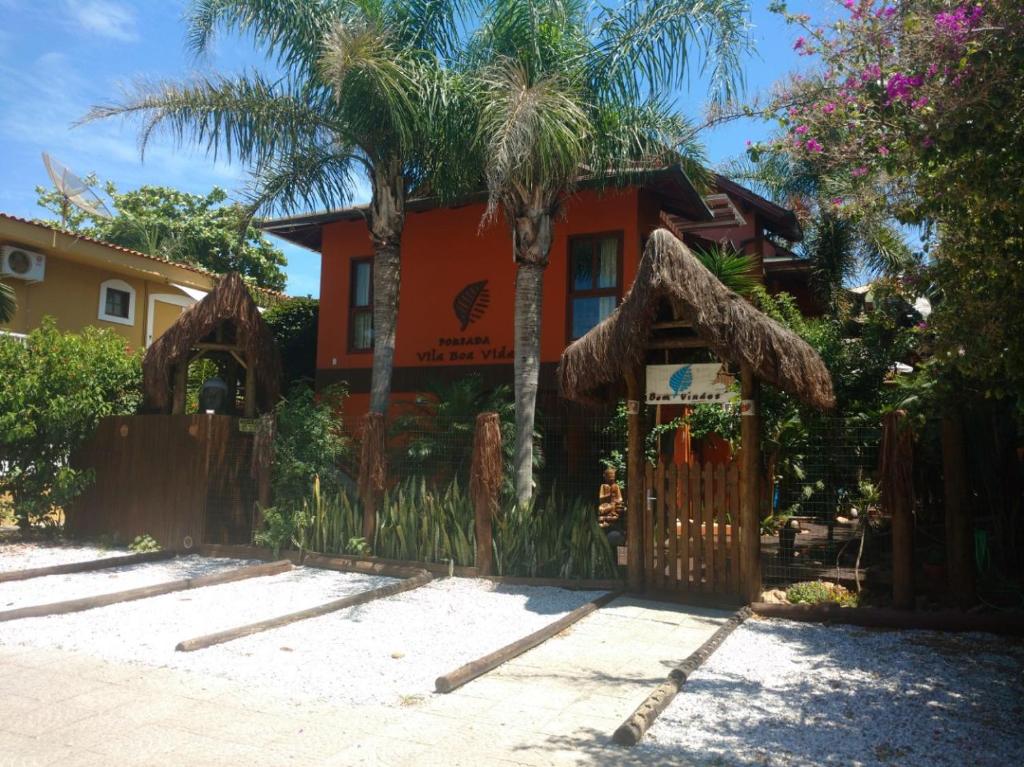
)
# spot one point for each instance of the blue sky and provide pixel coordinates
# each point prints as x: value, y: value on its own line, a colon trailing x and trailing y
x: 59, y: 57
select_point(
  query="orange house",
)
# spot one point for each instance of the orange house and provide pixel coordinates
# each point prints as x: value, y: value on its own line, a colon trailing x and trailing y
x: 456, y: 304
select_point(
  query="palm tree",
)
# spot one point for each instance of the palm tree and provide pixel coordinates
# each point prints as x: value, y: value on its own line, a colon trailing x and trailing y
x: 733, y: 269
x: 7, y: 303
x: 564, y: 92
x: 838, y: 247
x: 359, y: 93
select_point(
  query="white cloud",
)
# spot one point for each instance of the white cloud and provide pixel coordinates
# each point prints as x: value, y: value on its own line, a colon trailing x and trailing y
x: 104, y: 18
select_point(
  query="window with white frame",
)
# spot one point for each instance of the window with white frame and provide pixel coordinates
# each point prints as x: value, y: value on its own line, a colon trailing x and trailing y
x: 117, y: 302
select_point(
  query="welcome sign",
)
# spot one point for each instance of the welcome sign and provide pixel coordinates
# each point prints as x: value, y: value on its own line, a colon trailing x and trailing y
x: 706, y: 383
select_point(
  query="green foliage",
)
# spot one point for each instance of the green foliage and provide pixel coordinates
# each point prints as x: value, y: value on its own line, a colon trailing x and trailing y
x: 420, y: 524
x: 309, y: 442
x: 817, y: 592
x: 294, y: 323
x: 278, y: 529
x: 143, y: 543
x: 54, y: 390
x: 559, y: 539
x: 733, y: 268
x: 201, y: 230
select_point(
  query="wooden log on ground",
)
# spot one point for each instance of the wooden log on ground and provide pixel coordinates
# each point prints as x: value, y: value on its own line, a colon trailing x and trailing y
x: 886, y: 618
x: 395, y: 568
x: 480, y: 666
x: 240, y: 551
x: 227, y: 635
x: 102, y: 600
x: 630, y: 731
x: 86, y: 566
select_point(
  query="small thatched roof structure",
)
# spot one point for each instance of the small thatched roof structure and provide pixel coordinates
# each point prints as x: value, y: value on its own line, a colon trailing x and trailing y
x: 230, y: 305
x: 593, y: 367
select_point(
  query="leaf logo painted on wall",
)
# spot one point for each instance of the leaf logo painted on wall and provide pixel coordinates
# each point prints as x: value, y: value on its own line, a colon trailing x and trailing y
x: 471, y: 302
x: 681, y: 380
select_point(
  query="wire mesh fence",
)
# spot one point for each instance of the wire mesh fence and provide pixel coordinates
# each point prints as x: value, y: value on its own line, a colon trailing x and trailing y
x: 824, y: 521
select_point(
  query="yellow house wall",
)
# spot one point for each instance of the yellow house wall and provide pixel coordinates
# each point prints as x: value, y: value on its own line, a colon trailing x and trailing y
x: 70, y: 293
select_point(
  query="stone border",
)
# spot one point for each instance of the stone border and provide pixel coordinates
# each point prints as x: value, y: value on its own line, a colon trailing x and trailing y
x: 632, y: 730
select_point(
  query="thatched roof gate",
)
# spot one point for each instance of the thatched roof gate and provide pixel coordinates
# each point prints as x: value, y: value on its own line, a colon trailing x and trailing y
x: 227, y: 321
x: 676, y: 303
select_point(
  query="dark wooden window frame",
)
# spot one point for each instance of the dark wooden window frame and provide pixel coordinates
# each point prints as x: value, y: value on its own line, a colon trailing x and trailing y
x: 353, y: 309
x: 572, y: 293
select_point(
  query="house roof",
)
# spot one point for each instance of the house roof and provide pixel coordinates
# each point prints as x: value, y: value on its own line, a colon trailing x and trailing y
x: 80, y: 247
x: 592, y: 368
x: 678, y: 194
x: 780, y: 220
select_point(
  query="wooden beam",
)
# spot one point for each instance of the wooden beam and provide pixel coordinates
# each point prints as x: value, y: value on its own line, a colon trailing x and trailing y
x: 180, y: 388
x: 210, y: 346
x: 677, y: 343
x: 220, y: 637
x: 635, y: 490
x: 102, y: 600
x: 480, y: 666
x: 86, y: 566
x: 1005, y: 622
x: 671, y: 324
x: 750, y: 485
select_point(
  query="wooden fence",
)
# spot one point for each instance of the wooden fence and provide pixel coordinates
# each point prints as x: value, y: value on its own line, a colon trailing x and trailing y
x: 693, y: 530
x: 182, y: 479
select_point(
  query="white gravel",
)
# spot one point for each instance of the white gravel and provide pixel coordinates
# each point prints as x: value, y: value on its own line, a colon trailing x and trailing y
x: 784, y: 693
x: 24, y: 556
x: 146, y: 631
x: 385, y: 651
x: 57, y: 588
x: 381, y: 652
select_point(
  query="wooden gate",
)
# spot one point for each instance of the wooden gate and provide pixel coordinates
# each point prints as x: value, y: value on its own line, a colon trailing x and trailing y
x: 692, y: 531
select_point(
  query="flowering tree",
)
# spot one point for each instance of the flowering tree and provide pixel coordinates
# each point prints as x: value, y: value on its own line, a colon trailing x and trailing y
x: 915, y: 111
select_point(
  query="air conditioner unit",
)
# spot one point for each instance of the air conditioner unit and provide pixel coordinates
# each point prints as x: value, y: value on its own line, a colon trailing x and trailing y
x: 20, y: 264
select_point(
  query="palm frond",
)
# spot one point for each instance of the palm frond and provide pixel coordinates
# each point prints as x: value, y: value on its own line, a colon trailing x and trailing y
x: 733, y: 269
x: 884, y: 248
x: 307, y: 178
x: 290, y: 32
x: 656, y: 44
x: 246, y: 117
x: 535, y: 134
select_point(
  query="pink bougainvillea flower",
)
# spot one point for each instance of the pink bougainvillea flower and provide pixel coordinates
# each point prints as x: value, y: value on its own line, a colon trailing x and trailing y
x: 884, y: 151
x: 748, y: 143
x: 858, y: 172
x: 850, y: 4
x: 829, y: 108
x: 928, y: 142
x: 800, y: 42
x: 793, y: 111
x: 801, y: 129
x: 814, y: 146
x: 837, y: 201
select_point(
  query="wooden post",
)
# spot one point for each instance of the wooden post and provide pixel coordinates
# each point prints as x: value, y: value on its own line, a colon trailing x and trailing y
x: 372, y: 472
x: 250, y: 387
x: 750, y: 485
x: 180, y: 387
x: 959, y: 534
x: 897, y: 487
x: 485, y: 484
x: 636, y: 501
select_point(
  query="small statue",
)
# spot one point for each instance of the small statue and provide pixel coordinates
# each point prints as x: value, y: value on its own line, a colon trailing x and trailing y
x: 609, y: 498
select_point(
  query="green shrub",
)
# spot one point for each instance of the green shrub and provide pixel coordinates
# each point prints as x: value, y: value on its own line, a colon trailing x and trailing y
x: 143, y: 543
x: 277, y: 531
x: 817, y: 592
x: 308, y: 442
x: 54, y: 389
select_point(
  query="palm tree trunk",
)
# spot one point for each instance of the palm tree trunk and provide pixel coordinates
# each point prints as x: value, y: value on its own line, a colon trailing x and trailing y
x: 532, y: 245
x: 386, y: 218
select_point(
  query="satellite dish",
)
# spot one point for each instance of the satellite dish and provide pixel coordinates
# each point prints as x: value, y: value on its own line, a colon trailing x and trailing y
x: 74, y: 191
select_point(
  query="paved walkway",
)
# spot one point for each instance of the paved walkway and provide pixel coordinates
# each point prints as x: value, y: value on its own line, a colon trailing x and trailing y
x: 556, y: 705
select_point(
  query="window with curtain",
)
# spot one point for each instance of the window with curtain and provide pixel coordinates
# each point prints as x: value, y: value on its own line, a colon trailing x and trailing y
x: 594, y: 276
x: 360, y: 311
